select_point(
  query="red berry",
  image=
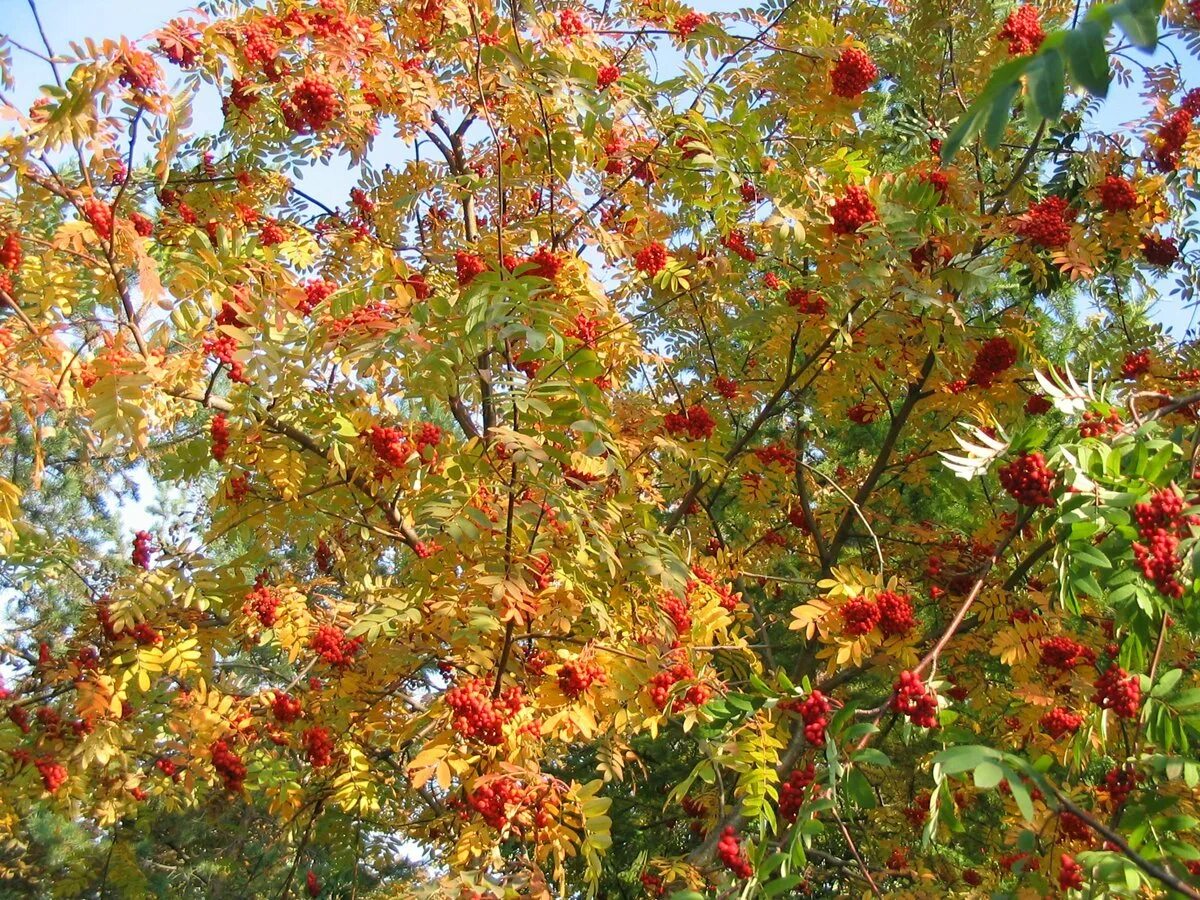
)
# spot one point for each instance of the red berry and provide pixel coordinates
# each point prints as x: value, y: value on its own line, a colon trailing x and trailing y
x: 53, y: 773
x: 1117, y: 194
x: 99, y: 215
x: 853, y: 73
x: 860, y: 616
x: 1023, y: 31
x: 651, y: 259
x: 11, y: 254
x: 312, y: 105
x: 853, y: 210
x: 318, y: 746
x: 229, y: 766
x: 1047, y: 223
x: 1060, y: 722
x: 575, y: 677
x: 1029, y: 480
x: 1159, y: 251
x: 467, y: 266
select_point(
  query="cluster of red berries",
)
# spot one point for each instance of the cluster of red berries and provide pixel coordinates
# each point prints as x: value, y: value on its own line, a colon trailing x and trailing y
x: 1120, y: 782
x: 777, y: 453
x: 1064, y: 654
x: 726, y: 387
x: 272, y: 233
x: 143, y: 549
x: 1023, y: 31
x: 141, y: 224
x: 53, y: 773
x: 286, y: 708
x: 11, y: 254
x: 729, y: 850
x: 736, y: 241
x: 146, y: 635
x: 677, y: 611
x: 651, y: 259
x: 312, y: 105
x: 995, y: 356
x: 606, y: 76
x: 814, y: 710
x: 853, y: 73
x: 1095, y: 425
x: 863, y: 413
x: 228, y: 765
x: 1117, y: 194
x: 695, y: 422
x: 139, y: 71
x: 575, y: 677
x: 853, y: 210
x: 1119, y: 691
x: 99, y: 215
x: 1170, y: 138
x: 316, y: 291
x: 1070, y: 873
x: 179, y: 42
x: 263, y: 604
x: 218, y: 431
x: 1136, y: 364
x: 662, y: 683
x: 860, y: 616
x: 1047, y: 223
x: 896, y: 613
x: 493, y: 800
x: 653, y: 884
x: 480, y: 716
x: 1028, y: 480
x: 586, y: 330
x: 913, y: 698
x: 467, y: 266
x: 1060, y: 721
x: 222, y: 349
x: 750, y: 194
x: 312, y: 884
x: 689, y: 22
x: 794, y: 792
x: 168, y: 768
x: 546, y: 263
x: 570, y: 24
x: 1160, y: 522
x: 1159, y: 251
x: 806, y: 302
x: 391, y: 446
x: 331, y: 644
x: 1038, y: 404
x: 318, y: 746
x: 728, y: 597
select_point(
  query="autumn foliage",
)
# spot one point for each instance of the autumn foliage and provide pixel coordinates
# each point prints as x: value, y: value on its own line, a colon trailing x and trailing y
x: 702, y: 454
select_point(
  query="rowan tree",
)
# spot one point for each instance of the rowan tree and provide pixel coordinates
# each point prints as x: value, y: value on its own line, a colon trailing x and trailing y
x: 705, y: 454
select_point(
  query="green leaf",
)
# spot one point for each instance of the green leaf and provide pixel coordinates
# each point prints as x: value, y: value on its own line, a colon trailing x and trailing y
x: 1166, y: 683
x: 1021, y: 795
x: 1091, y: 555
x: 871, y: 756
x: 962, y: 759
x: 999, y: 114
x: 858, y: 789
x: 988, y: 775
x: 1087, y: 58
x: 1139, y: 20
x: 779, y: 885
x: 1044, y: 78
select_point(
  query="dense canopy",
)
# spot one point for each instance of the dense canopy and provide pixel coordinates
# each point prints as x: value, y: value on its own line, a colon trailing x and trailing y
x: 705, y: 454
